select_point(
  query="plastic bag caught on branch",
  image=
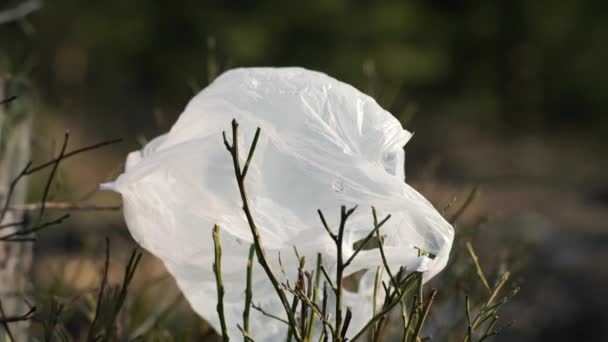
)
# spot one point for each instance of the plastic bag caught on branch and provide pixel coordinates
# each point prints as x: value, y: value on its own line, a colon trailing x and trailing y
x: 323, y: 144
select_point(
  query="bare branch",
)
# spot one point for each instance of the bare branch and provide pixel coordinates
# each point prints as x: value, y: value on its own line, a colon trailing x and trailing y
x: 366, y: 240
x: 26, y: 316
x: 251, y: 150
x: 248, y: 293
x: 480, y: 273
x: 217, y: 269
x: 324, y: 222
x: 27, y: 231
x: 259, y: 247
x: 267, y: 314
x: 75, y: 152
x: 467, y: 202
x: 102, y: 287
x: 424, y: 315
x: 28, y: 170
x: 8, y: 100
x: 47, y: 186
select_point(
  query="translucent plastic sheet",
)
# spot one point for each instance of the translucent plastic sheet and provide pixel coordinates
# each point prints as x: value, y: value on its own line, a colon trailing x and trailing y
x: 323, y: 144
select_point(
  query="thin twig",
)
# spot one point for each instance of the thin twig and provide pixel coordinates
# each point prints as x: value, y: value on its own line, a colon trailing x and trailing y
x: 268, y: 314
x: 480, y: 273
x: 9, y: 194
x: 448, y: 206
x: 8, y: 100
x: 102, y: 286
x: 497, y: 331
x: 324, y: 310
x: 340, y: 264
x: 490, y: 328
x: 251, y: 150
x: 248, y: 294
x: 301, y: 286
x: 488, y: 310
x: 26, y: 316
x: 13, y: 224
x: 75, y: 152
x: 313, y: 306
x: 424, y: 315
x: 50, y: 325
x: 468, y: 201
x: 344, y: 214
x: 407, y: 285
x: 328, y: 278
x: 217, y: 269
x: 259, y: 247
x: 294, y: 306
x: 377, y: 334
x: 28, y: 170
x: 410, y: 320
x: 307, y: 321
x: 503, y: 280
x: 33, y: 229
x: 119, y: 300
x: 383, y: 256
x: 347, y: 318
x: 49, y: 181
x: 245, y: 333
x: 315, y: 296
x: 366, y: 240
x: 467, y: 312
x: 405, y: 318
x: 377, y: 281
x: 325, y: 225
x: 5, y: 324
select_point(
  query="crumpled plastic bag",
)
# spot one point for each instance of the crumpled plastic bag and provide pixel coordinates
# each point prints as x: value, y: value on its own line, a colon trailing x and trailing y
x: 323, y: 144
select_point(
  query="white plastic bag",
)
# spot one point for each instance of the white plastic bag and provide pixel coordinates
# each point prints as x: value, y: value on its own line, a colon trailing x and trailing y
x: 323, y: 144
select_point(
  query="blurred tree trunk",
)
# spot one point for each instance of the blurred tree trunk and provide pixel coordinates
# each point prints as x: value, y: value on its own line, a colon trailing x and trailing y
x: 15, y: 257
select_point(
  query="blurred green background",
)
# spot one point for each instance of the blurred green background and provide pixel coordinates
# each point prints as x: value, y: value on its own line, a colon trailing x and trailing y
x: 531, y: 65
x: 510, y: 95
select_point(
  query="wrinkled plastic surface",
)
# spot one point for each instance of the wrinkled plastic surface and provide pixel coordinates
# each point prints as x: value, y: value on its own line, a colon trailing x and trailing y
x: 323, y: 144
